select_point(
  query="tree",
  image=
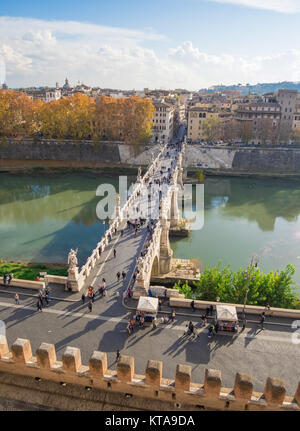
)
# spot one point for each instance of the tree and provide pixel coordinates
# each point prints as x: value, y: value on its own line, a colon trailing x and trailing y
x: 245, y: 130
x: 274, y: 287
x: 16, y: 111
x: 211, y: 129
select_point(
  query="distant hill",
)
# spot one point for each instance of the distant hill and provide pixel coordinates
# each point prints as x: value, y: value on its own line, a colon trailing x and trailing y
x: 257, y: 88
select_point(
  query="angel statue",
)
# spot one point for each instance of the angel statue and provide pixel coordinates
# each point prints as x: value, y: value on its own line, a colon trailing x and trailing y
x: 72, y: 258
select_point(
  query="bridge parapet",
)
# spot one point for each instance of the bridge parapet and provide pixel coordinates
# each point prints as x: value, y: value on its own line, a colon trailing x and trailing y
x: 56, y: 376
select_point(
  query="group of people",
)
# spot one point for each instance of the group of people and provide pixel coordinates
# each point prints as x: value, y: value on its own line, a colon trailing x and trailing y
x: 43, y: 299
x: 91, y: 294
x: 7, y: 278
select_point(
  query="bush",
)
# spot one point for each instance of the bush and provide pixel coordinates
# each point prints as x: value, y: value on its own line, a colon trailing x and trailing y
x: 277, y: 287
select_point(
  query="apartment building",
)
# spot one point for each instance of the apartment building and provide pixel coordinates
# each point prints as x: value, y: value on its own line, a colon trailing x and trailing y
x: 163, y: 122
x: 197, y: 117
x: 296, y: 119
x: 287, y: 100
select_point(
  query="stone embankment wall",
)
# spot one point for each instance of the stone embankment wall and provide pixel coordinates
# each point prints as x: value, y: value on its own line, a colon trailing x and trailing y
x: 220, y: 160
x: 272, y: 161
x: 87, y: 151
x: 69, y: 385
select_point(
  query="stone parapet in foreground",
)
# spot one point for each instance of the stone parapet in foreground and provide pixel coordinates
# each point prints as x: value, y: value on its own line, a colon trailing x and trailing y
x: 42, y: 380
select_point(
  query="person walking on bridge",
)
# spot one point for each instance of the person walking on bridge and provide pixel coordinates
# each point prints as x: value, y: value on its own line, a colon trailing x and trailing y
x: 118, y: 275
x: 39, y: 305
x: 17, y: 299
x: 115, y: 253
x: 90, y: 305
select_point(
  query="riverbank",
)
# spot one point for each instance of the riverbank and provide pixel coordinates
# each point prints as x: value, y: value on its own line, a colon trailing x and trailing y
x: 48, y: 167
x: 29, y: 271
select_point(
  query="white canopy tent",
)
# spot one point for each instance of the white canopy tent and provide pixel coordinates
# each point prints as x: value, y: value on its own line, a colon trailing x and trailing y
x: 226, y: 313
x: 148, y: 304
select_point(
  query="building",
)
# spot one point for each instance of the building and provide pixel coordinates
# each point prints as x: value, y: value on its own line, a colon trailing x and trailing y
x: 296, y: 119
x: 197, y: 117
x: 163, y: 122
x: 4, y: 86
x: 287, y: 100
x: 46, y: 95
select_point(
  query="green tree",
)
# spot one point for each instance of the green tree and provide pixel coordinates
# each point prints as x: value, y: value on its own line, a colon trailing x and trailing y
x: 277, y: 288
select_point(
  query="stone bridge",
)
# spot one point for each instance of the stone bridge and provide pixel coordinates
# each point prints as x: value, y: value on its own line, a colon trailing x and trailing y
x: 154, y: 202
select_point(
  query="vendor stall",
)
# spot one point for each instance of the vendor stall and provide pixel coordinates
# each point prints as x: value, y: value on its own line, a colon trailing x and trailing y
x: 148, y: 306
x: 227, y: 319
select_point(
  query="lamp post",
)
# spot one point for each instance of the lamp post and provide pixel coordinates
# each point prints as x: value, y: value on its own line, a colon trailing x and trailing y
x: 253, y: 264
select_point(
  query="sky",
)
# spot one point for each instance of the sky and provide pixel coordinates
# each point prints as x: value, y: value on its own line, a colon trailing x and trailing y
x: 136, y: 44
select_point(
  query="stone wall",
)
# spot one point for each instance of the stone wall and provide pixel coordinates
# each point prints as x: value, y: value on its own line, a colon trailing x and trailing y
x: 104, y: 152
x: 69, y: 385
x: 277, y: 160
x: 233, y: 159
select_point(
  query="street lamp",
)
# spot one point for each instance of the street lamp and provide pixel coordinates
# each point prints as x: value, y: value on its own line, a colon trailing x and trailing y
x: 253, y: 264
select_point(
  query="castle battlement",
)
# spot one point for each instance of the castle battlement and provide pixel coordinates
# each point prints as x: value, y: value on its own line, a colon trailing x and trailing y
x: 43, y: 372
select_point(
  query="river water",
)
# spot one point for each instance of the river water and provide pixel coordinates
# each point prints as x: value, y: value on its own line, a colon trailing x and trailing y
x: 41, y: 218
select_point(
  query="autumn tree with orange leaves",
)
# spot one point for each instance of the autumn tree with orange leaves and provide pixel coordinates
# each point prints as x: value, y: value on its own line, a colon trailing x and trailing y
x: 78, y: 117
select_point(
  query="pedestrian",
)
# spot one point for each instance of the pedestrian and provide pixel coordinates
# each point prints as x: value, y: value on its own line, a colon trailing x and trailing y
x: 122, y: 232
x: 123, y: 274
x: 41, y: 299
x: 211, y: 309
x: 173, y: 315
x: 244, y: 323
x: 17, y: 299
x: 4, y: 278
x: 93, y: 297
x: 115, y: 252
x: 10, y: 277
x: 207, y: 311
x: 210, y: 331
x: 83, y: 298
x: 191, y: 328
x: 118, y: 356
x: 125, y: 295
x: 46, y: 299
x: 90, y: 305
x: 262, y: 319
x: 193, y: 305
x: 203, y: 318
x: 129, y: 292
x: 154, y: 323
x: 39, y: 305
x: 134, y: 276
x: 118, y: 275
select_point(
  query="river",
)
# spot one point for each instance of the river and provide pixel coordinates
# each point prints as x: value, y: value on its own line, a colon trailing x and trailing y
x: 42, y: 217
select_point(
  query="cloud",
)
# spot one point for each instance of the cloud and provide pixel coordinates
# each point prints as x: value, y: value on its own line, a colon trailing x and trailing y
x: 40, y: 52
x: 285, y: 6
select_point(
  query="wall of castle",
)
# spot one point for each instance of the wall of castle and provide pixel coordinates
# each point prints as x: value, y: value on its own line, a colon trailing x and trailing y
x: 69, y: 385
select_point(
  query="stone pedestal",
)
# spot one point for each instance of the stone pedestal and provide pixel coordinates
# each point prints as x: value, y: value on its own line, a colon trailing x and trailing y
x: 73, y: 277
